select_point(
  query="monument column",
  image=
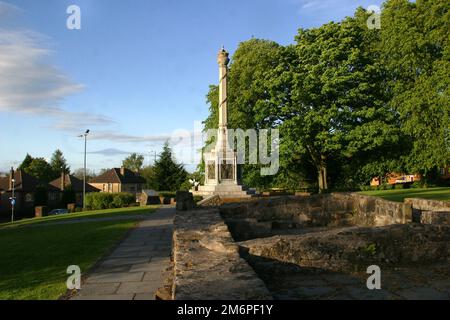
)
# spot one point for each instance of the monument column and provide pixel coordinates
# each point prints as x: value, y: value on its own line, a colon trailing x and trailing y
x: 221, y: 161
x: 223, y: 60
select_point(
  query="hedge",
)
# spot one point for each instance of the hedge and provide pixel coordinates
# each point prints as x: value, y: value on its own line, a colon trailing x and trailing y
x: 102, y: 200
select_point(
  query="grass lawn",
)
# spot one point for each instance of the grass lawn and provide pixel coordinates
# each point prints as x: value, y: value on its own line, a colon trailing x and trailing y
x: 442, y: 194
x: 33, y: 261
x: 84, y: 215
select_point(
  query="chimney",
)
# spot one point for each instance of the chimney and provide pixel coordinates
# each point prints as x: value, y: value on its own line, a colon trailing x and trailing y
x: 11, y: 177
x: 122, y: 171
x: 63, y: 180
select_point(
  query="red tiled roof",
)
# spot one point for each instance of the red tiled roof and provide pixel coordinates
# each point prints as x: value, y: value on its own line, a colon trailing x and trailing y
x: 74, y: 182
x: 24, y: 182
x: 114, y: 176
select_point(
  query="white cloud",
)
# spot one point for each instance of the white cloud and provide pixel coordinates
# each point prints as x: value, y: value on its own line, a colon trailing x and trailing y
x: 30, y: 84
x: 120, y: 137
x: 110, y: 152
x: 8, y: 10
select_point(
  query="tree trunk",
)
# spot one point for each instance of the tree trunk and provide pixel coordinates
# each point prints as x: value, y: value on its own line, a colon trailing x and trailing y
x: 320, y: 161
x: 322, y: 174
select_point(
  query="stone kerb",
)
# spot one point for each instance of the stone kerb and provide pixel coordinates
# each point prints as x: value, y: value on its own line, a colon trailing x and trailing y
x: 206, y: 258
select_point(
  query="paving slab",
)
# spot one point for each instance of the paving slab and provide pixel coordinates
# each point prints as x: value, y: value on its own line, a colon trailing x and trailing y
x: 134, y: 269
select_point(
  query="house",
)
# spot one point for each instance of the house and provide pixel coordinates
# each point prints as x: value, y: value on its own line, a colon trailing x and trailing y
x: 66, y: 181
x: 119, y: 180
x: 395, y: 178
x: 445, y: 172
x: 25, y: 187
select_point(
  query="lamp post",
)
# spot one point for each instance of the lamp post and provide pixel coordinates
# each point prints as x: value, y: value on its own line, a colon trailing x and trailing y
x: 13, y: 199
x: 84, y: 172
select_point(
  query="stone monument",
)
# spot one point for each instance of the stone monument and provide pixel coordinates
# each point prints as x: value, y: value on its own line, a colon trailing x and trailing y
x: 221, y: 176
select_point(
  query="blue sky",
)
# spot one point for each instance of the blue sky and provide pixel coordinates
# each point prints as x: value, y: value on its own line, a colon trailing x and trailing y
x: 135, y: 73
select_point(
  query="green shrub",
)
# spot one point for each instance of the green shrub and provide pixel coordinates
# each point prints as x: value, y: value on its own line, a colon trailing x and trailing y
x: 167, y: 194
x: 102, y: 200
x: 197, y: 199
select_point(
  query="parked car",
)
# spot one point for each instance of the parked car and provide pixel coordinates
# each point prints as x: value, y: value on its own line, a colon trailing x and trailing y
x: 55, y: 212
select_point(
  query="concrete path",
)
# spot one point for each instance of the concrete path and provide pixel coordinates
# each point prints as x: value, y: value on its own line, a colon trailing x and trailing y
x: 133, y: 270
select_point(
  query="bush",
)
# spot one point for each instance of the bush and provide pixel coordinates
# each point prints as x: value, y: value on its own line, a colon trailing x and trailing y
x: 167, y: 194
x: 101, y: 200
x: 399, y: 186
x: 197, y: 199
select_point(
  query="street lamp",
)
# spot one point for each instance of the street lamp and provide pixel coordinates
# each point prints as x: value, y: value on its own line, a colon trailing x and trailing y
x: 84, y: 172
x: 13, y: 199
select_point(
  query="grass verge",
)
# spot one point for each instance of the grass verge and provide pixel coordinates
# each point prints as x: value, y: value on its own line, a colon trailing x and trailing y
x: 399, y: 195
x: 33, y: 261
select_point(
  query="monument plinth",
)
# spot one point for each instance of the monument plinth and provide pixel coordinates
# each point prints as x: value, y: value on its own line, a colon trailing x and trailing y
x: 221, y: 162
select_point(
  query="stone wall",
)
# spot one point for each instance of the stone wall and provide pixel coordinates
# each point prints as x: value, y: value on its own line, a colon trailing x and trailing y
x: 259, y: 217
x: 206, y: 261
x: 429, y: 211
x: 355, y: 248
x: 374, y: 211
x: 435, y: 217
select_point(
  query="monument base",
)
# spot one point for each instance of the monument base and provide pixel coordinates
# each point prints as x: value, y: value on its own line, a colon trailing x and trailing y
x: 222, y: 190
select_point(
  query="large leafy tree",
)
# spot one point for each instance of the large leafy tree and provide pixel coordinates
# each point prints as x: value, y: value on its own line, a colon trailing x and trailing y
x: 26, y: 162
x: 335, y: 111
x: 416, y: 52
x: 169, y: 175
x: 40, y: 169
x: 134, y: 162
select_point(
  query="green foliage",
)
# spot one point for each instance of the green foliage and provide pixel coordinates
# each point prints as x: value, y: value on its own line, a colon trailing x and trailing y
x: 416, y: 51
x: 148, y: 173
x: 167, y: 194
x: 103, y: 200
x: 40, y: 169
x: 26, y: 162
x: 351, y: 103
x: 168, y: 175
x: 197, y: 176
x: 370, y: 249
x: 44, y: 171
x: 58, y: 163
x: 134, y: 162
x: 121, y: 200
x: 78, y: 173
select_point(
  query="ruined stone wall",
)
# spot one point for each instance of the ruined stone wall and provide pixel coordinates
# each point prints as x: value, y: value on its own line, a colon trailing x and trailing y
x: 374, y: 211
x: 206, y: 261
x: 355, y: 248
x: 429, y: 211
x: 259, y: 217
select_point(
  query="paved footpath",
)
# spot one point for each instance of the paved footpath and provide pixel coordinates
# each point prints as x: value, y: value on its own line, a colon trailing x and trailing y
x: 133, y: 270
